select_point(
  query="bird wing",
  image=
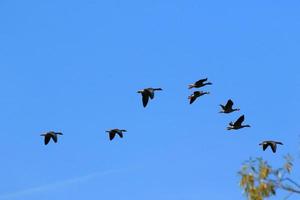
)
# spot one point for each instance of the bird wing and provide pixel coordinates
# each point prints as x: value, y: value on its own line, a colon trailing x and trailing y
x: 47, y: 139
x: 239, y: 121
x: 145, y: 99
x: 192, y: 99
x: 151, y: 94
x: 265, y: 146
x: 229, y: 104
x: 201, y: 81
x: 111, y: 135
x: 54, y: 137
x: 198, y: 93
x: 120, y: 134
x: 273, y: 146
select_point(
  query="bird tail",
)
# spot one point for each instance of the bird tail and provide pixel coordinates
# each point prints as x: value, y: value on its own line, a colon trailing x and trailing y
x: 191, y: 86
x: 157, y: 89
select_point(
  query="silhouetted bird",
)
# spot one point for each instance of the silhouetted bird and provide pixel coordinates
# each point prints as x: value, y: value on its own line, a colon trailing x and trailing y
x: 148, y: 93
x: 113, y: 132
x: 237, y: 124
x: 228, y: 107
x: 49, y: 135
x: 272, y: 144
x: 199, y: 83
x: 195, y: 95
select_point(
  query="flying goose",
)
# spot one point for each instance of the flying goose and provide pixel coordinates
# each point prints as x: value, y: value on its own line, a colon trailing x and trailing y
x: 195, y: 95
x: 228, y: 107
x: 237, y: 124
x: 113, y: 132
x: 199, y: 83
x: 49, y: 135
x: 272, y: 144
x: 148, y: 93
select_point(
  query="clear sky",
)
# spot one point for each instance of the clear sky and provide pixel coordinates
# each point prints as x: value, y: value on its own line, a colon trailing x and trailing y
x: 75, y: 66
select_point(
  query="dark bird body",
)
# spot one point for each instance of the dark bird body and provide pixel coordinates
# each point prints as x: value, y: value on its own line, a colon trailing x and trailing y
x: 195, y: 95
x: 272, y: 144
x: 148, y: 93
x: 49, y: 135
x: 112, y: 133
x: 228, y: 107
x: 199, y: 83
x: 237, y: 124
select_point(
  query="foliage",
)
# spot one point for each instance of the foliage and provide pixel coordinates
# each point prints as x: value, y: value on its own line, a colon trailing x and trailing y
x: 259, y: 180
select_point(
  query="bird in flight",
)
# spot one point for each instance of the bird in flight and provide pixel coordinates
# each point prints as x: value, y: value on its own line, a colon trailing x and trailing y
x: 148, y: 93
x: 199, y: 83
x: 195, y: 95
x: 228, y: 107
x: 112, y: 133
x: 272, y: 144
x: 49, y: 135
x: 237, y: 124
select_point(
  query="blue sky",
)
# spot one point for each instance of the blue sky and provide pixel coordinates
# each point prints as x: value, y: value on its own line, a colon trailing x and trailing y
x: 75, y: 67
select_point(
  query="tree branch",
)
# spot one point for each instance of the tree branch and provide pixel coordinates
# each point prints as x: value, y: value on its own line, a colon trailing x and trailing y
x: 291, y: 181
x: 287, y: 188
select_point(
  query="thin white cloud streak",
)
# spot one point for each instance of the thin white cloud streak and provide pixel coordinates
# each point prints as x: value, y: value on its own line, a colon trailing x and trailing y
x: 56, y: 185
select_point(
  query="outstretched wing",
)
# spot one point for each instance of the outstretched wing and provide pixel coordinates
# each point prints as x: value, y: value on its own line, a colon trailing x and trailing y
x: 274, y: 147
x: 47, y: 139
x: 111, y: 135
x: 201, y: 81
x: 54, y: 137
x: 120, y: 134
x: 145, y: 99
x: 239, y: 121
x: 151, y: 93
x: 192, y: 99
x: 265, y: 146
x: 229, y: 104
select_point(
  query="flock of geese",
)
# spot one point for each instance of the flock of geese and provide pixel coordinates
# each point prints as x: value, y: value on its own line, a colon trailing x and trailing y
x: 148, y: 93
